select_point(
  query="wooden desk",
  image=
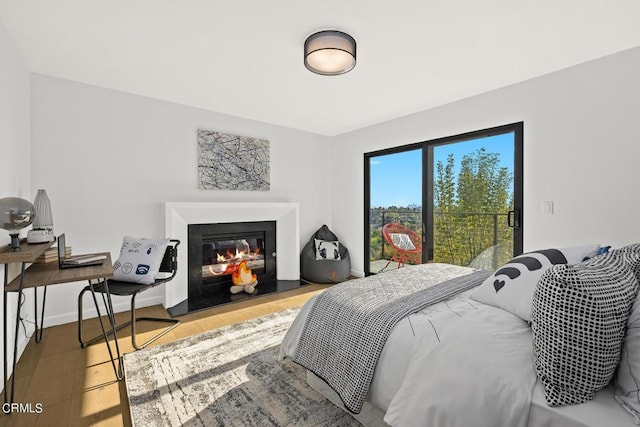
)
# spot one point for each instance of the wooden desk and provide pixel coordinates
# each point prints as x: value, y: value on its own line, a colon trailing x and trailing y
x: 43, y: 275
x: 50, y: 274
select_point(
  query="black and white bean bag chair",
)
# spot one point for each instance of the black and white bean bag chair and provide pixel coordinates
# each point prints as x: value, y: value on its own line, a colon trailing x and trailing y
x: 324, y: 259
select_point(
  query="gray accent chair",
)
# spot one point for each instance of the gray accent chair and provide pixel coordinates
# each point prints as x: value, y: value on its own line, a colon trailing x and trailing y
x: 324, y: 271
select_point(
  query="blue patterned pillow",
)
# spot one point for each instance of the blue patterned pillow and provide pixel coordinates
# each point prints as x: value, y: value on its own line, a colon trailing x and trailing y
x: 139, y: 260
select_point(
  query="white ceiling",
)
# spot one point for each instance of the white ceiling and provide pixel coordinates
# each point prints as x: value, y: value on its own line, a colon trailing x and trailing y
x: 244, y: 57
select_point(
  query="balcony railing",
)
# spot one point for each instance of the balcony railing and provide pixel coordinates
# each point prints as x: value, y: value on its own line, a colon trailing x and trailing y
x: 459, y: 237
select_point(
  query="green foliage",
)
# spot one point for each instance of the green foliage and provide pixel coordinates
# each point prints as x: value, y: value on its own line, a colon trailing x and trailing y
x: 469, y: 212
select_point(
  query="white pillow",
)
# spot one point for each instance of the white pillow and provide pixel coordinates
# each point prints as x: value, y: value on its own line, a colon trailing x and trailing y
x: 139, y: 260
x: 511, y: 287
x: 403, y: 241
x: 327, y: 250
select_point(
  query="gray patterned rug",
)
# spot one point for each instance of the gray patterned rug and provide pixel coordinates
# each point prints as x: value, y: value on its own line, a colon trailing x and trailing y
x: 227, y: 377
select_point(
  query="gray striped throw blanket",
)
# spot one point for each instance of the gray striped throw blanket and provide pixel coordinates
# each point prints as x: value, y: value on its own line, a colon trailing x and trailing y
x: 349, y: 323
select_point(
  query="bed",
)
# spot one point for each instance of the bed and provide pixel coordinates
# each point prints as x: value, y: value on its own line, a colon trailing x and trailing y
x: 456, y: 361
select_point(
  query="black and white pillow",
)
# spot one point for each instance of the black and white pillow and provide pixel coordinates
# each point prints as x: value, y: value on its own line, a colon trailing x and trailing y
x: 139, y: 260
x: 578, y: 319
x: 326, y: 249
x: 511, y: 287
x: 403, y: 241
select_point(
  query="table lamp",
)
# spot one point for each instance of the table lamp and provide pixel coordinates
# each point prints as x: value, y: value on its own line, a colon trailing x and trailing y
x: 15, y: 214
x: 42, y: 230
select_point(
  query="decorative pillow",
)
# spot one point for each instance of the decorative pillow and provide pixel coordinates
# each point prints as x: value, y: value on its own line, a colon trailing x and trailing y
x: 511, y: 287
x: 631, y: 255
x: 578, y: 319
x: 327, y: 250
x: 139, y: 260
x: 403, y: 241
x: 627, y: 391
x: 601, y: 251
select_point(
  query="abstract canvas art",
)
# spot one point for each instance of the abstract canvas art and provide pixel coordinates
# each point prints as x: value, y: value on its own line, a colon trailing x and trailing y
x: 232, y: 162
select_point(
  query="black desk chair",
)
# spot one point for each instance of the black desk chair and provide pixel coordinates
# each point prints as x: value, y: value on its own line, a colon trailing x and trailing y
x: 169, y: 265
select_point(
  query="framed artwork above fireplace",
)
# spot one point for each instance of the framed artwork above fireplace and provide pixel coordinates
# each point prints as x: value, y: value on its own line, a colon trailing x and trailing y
x: 232, y: 162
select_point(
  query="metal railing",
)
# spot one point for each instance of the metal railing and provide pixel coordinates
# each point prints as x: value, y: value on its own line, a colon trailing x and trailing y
x: 478, y: 230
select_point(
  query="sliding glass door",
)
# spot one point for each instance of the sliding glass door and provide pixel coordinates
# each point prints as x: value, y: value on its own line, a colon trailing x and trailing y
x: 456, y: 200
x: 396, y: 198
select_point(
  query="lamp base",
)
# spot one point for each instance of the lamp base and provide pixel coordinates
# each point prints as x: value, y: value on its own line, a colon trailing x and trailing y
x: 15, y: 242
x: 40, y: 236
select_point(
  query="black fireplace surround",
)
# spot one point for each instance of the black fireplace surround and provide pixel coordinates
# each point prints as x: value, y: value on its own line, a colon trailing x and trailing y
x: 214, y: 253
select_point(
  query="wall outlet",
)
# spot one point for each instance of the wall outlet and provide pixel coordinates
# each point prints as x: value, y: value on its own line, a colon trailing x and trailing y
x: 547, y: 207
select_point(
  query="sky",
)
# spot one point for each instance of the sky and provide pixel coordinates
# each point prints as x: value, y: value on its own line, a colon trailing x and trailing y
x: 396, y: 179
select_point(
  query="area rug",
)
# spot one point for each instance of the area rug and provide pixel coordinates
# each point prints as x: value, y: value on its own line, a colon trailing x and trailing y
x: 229, y: 376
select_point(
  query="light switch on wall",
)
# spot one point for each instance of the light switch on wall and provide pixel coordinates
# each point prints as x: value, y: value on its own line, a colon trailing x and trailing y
x: 547, y: 207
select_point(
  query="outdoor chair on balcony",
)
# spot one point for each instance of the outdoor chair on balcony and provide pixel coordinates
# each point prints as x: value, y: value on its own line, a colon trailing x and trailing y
x: 405, y: 244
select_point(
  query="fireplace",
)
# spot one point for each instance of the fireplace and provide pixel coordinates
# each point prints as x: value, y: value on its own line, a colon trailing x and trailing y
x: 180, y: 215
x: 216, y: 253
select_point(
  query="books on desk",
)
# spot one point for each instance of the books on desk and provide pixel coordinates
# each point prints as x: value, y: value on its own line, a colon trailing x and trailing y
x: 84, y: 259
x: 51, y: 255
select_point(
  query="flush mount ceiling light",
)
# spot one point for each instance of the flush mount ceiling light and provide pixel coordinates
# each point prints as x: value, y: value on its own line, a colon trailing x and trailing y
x: 330, y: 53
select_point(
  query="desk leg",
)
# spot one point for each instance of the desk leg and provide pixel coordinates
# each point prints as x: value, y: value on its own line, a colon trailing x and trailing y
x: 15, y: 341
x: 112, y: 320
x: 39, y: 327
x: 4, y: 335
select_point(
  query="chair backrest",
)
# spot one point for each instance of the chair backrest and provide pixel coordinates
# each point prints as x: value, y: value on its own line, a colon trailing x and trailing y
x: 169, y: 262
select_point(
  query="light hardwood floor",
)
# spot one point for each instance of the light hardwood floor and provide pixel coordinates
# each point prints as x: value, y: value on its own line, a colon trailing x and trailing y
x: 77, y: 387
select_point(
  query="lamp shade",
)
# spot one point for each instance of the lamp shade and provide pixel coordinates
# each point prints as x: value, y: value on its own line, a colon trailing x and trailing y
x: 43, y: 223
x: 42, y: 205
x: 330, y: 53
x: 15, y: 214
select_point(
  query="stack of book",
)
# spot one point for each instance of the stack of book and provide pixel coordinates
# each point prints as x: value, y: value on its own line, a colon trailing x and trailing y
x: 51, y: 255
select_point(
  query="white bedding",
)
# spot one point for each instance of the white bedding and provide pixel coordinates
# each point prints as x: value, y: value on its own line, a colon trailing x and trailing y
x: 480, y: 374
x: 424, y: 328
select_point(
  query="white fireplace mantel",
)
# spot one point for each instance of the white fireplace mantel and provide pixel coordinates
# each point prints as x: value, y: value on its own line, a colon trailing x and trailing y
x: 178, y: 215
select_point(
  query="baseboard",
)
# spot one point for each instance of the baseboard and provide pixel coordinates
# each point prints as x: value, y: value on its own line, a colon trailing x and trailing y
x: 89, y: 310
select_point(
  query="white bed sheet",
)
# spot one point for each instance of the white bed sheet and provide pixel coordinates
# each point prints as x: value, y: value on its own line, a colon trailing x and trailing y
x: 393, y: 362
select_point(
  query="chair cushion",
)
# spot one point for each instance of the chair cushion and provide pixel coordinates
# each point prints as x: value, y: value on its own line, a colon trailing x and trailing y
x: 402, y: 241
x: 139, y: 260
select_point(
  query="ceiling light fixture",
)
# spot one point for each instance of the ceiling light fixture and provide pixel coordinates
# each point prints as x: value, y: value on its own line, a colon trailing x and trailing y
x: 330, y: 53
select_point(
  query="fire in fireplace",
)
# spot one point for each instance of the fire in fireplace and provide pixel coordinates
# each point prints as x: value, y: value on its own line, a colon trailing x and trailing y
x: 223, y: 257
x: 217, y: 252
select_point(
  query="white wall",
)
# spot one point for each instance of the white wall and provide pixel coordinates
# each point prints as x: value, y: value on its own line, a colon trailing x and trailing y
x: 581, y: 150
x: 108, y: 161
x: 14, y: 153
